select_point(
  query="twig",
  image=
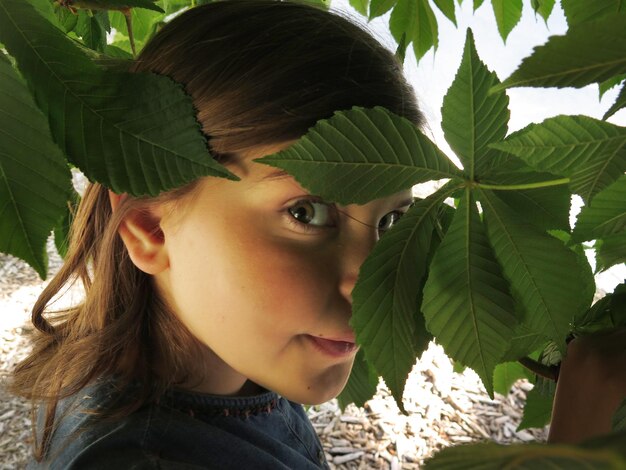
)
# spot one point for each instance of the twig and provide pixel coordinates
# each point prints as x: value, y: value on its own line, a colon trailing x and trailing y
x: 542, y: 370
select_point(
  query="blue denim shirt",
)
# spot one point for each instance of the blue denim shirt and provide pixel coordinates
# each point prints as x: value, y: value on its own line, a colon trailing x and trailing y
x: 185, y: 430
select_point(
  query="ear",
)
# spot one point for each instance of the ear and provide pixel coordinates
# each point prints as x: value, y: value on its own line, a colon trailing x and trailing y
x: 142, y: 235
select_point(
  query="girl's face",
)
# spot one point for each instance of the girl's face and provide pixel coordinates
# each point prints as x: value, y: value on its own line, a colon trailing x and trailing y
x: 262, y: 273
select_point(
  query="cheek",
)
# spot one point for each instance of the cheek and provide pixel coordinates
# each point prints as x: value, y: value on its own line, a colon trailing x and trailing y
x: 287, y: 274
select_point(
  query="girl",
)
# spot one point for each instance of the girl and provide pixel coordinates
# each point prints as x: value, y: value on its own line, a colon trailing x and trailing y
x: 213, y: 310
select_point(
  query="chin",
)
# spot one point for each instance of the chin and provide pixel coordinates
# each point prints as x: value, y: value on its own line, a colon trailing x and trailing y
x: 318, y: 392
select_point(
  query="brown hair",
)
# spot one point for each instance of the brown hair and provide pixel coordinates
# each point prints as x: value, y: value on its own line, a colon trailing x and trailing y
x: 259, y: 72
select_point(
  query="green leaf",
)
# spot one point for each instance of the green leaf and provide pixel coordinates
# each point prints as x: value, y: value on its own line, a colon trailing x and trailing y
x: 523, y: 343
x: 144, y: 24
x: 62, y: 230
x: 591, y: 153
x: 605, y: 215
x: 416, y: 19
x: 544, y: 207
x: 508, y: 13
x: 93, y: 28
x: 47, y: 9
x: 477, y: 4
x: 122, y: 47
x: 360, y: 6
x: 467, y: 304
x: 117, y: 4
x: 458, y: 368
x: 577, y: 11
x: 362, y: 154
x: 65, y: 18
x: 602, y: 453
x: 361, y: 385
x: 117, y: 52
x: 538, y: 407
x: 506, y: 374
x: 171, y: 6
x: 618, y: 423
x: 606, y: 85
x: 471, y: 118
x: 584, y: 268
x: 153, y: 140
x: 34, y: 178
x: 610, y: 251
x: 607, y: 313
x: 620, y: 103
x: 387, y: 291
x: 542, y: 272
x: 543, y: 7
x: 447, y: 8
x: 380, y: 7
x: 600, y: 47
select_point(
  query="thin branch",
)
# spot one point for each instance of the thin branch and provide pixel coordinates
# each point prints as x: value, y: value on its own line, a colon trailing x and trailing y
x: 542, y: 370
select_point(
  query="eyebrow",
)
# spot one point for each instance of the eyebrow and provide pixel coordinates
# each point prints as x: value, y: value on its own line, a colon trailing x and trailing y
x: 406, y: 202
x: 276, y: 174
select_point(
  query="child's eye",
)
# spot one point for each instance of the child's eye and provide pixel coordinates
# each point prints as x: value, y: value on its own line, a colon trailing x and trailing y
x: 389, y: 220
x: 312, y: 213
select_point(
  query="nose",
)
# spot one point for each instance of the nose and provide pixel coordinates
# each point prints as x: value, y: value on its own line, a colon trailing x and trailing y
x: 354, y: 248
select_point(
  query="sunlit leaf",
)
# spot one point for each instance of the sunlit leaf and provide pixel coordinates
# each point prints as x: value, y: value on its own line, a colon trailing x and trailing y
x: 605, y: 215
x: 467, y: 304
x: 144, y: 24
x: 600, y: 47
x: 591, y: 153
x: 508, y: 13
x: 134, y: 133
x: 115, y: 4
x: 361, y: 385
x: 447, y: 8
x: 35, y: 181
x: 416, y: 19
x: 386, y: 295
x: 577, y: 11
x: 543, y: 7
x: 360, y: 6
x: 362, y: 154
x: 471, y: 118
x: 620, y: 103
x: 380, y: 7
x: 542, y: 272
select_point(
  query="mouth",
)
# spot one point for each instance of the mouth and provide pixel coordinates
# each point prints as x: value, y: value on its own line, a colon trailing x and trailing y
x: 332, y: 347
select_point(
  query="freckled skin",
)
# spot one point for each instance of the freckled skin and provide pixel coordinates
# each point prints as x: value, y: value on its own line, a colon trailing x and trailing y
x: 251, y: 285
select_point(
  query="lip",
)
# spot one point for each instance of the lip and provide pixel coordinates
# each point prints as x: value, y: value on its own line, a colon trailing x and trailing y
x: 336, y: 347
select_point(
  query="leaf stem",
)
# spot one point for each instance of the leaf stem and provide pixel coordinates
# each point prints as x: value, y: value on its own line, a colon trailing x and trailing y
x: 548, y: 372
x: 509, y: 187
